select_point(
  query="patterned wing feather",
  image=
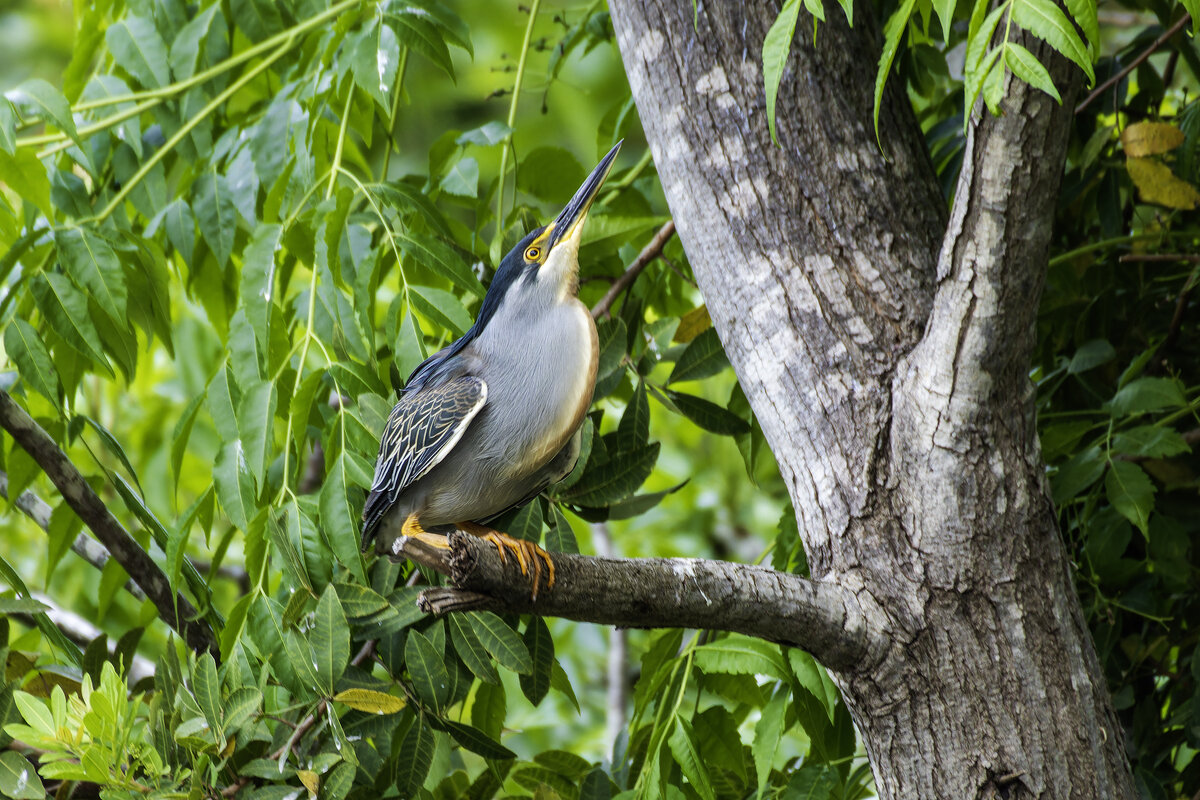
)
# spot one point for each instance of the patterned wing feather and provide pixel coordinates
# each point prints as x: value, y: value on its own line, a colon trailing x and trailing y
x: 422, y: 428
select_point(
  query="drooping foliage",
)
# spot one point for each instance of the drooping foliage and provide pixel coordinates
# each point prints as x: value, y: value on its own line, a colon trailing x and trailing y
x: 231, y: 230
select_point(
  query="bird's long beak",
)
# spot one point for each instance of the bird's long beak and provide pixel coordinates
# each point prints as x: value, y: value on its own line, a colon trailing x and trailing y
x: 576, y: 211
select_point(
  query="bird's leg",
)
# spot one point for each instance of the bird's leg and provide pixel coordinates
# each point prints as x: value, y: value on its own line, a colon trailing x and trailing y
x: 527, y: 553
x: 413, y: 530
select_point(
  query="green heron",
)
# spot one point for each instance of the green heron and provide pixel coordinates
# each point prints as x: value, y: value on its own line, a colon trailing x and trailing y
x: 487, y: 423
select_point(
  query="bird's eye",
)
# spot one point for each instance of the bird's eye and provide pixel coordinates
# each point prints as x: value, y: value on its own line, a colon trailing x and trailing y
x: 533, y: 253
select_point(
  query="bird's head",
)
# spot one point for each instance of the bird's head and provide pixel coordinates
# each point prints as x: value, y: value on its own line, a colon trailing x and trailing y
x: 550, y: 254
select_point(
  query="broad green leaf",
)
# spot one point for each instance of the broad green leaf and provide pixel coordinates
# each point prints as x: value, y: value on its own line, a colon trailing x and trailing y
x: 1076, y: 475
x: 980, y: 57
x: 415, y: 758
x: 258, y: 281
x: 235, y: 484
x: 216, y: 213
x: 18, y: 778
x: 51, y: 105
x: 442, y: 259
x: 741, y: 655
x: 551, y: 175
x: 1150, y: 441
x: 560, y: 538
x: 330, y: 640
x: 634, y: 428
x: 206, y: 688
x: 615, y: 479
x: 1083, y: 13
x: 501, y: 641
x: 25, y: 347
x: 34, y: 712
x: 258, y: 19
x: 1147, y: 394
x: 66, y: 309
x: 181, y: 434
x: 412, y: 200
x: 111, y: 445
x: 1091, y: 355
x: 338, y: 518
x: 417, y: 32
x: 370, y: 701
x: 93, y: 263
x: 221, y: 405
x: 425, y: 668
x: 186, y: 47
x: 813, y: 782
x: 639, y: 504
x: 375, y: 61
x: 442, y: 307
x: 1025, y: 66
x: 181, y: 228
x: 256, y: 421
x: 242, y: 703
x: 1130, y: 491
x: 687, y: 756
x: 1047, y: 21
x: 810, y: 675
x: 708, y: 415
x: 139, y: 50
x: 462, y: 178
x: 893, y: 30
x: 776, y: 46
x: 540, y: 645
x: 476, y: 740
x: 488, y: 134
x: 527, y: 524
x: 25, y: 175
x: 470, y: 649
x: 359, y: 601
x: 8, y: 127
x: 768, y: 732
x: 703, y: 358
x: 26, y: 605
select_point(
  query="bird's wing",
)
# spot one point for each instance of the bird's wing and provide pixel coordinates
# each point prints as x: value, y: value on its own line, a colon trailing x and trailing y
x: 422, y: 428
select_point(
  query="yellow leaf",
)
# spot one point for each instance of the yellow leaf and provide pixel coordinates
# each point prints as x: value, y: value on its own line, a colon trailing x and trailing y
x: 692, y: 324
x: 1150, y: 138
x: 310, y: 780
x: 370, y: 701
x: 1156, y: 184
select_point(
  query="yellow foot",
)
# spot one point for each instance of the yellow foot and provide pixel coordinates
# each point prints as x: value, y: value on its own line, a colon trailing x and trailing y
x: 528, y: 554
x: 412, y: 529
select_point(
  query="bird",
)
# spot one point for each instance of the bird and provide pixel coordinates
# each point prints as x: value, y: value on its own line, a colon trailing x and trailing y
x: 490, y: 421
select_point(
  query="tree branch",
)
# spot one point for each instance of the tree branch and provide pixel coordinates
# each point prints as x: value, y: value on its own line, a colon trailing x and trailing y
x: 90, y: 551
x: 648, y: 254
x: 1179, y: 25
x: 822, y: 618
x: 175, y: 610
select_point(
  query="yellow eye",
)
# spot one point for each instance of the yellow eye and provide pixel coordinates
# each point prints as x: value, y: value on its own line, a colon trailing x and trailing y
x: 533, y: 253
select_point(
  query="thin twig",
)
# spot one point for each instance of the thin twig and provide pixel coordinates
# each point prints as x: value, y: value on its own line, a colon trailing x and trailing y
x: 1167, y: 257
x: 1132, y: 65
x: 174, y: 609
x: 648, y: 254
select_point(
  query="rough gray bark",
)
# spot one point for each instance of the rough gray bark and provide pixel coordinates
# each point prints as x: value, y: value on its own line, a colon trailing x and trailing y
x: 891, y: 383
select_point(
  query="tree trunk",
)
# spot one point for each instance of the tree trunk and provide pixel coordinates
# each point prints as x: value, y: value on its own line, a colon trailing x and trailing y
x: 885, y: 352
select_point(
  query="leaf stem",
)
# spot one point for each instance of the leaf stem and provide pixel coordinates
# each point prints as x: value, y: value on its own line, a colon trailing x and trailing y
x: 387, y: 153
x: 341, y: 141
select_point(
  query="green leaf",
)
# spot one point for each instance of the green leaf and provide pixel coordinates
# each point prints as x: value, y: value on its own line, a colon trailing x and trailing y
x: 181, y: 228
x: 560, y: 539
x: 683, y: 747
x: 1076, y: 475
x: 93, y: 263
x: 703, y: 358
x: 216, y: 214
x: 488, y: 134
x: 708, y: 415
x: 26, y: 175
x: 462, y: 178
x: 1147, y: 394
x: 476, y: 740
x: 1150, y: 441
x: 527, y: 524
x: 425, y: 667
x: 18, y: 778
x: 634, y: 428
x: 1025, y: 66
x: 440, y: 306
x: 258, y: 19
x: 25, y: 347
x: 415, y: 758
x: 417, y: 32
x: 813, y: 782
x: 540, y: 645
x: 206, y: 687
x: 8, y: 127
x: 741, y: 655
x: 111, y: 445
x: 330, y: 639
x: 235, y: 484
x: 1047, y: 21
x: 775, y: 49
x: 501, y: 641
x: 65, y: 308
x: 1083, y: 13
x: 768, y: 732
x: 359, y: 601
x: 442, y: 259
x: 139, y: 50
x: 1130, y: 492
x: 616, y: 478
x: 470, y: 649
x: 552, y: 174
x: 185, y: 49
x: 258, y: 281
x: 51, y: 105
x: 893, y: 30
x: 338, y: 519
x: 1091, y: 355
x: 256, y: 420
